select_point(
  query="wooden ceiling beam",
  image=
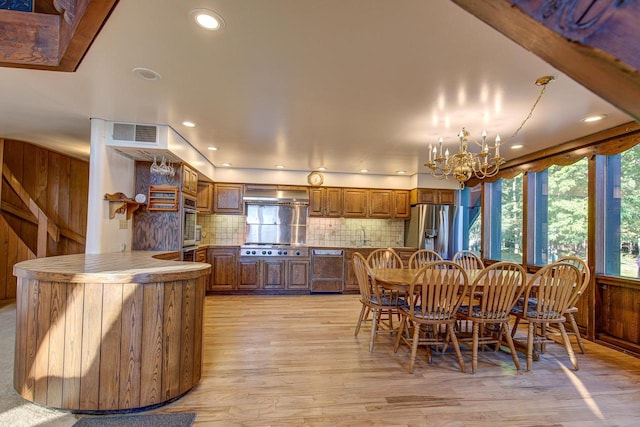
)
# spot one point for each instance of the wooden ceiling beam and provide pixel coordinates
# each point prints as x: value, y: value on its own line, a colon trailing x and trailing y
x: 594, y: 43
x: 49, y: 42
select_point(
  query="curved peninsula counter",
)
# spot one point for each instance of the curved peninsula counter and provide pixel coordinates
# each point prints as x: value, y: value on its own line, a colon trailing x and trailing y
x: 109, y: 332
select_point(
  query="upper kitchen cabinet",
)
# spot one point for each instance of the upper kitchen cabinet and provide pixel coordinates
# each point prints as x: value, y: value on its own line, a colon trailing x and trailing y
x: 401, y: 205
x: 325, y: 202
x: 381, y: 204
x: 355, y: 202
x: 205, y: 197
x: 227, y: 198
x: 435, y: 196
x: 189, y: 181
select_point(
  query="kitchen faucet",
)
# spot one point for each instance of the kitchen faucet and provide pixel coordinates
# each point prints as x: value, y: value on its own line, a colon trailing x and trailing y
x: 364, y: 236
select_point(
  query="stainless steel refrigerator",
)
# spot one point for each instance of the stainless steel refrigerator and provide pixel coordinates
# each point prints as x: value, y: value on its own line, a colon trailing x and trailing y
x: 432, y: 227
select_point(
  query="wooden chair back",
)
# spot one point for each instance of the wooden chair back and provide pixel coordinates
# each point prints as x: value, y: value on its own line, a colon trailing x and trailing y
x: 442, y: 287
x: 499, y: 285
x: 363, y: 276
x: 384, y: 258
x: 423, y: 257
x: 554, y: 287
x: 585, y: 273
x: 468, y: 260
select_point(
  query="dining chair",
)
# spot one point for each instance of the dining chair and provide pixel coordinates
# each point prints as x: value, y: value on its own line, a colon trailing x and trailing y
x: 547, y: 296
x: 468, y: 260
x: 384, y: 258
x: 374, y: 300
x: 423, y: 257
x: 586, y: 276
x: 435, y: 295
x: 492, y: 295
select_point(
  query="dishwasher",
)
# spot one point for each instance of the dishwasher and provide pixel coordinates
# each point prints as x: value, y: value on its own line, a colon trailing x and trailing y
x: 327, y: 270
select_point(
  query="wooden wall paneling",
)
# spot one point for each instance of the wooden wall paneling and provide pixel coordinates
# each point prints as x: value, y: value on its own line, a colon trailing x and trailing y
x: 74, y: 312
x: 56, y: 340
x: 171, y: 345
x: 198, y: 315
x: 109, y: 380
x: 78, y: 203
x: 56, y: 211
x: 91, y: 337
x: 188, y: 334
x: 4, y: 254
x: 152, y: 345
x: 43, y: 322
x: 130, y: 346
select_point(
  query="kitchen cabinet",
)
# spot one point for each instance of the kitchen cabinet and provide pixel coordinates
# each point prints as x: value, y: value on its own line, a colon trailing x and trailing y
x: 204, y: 198
x: 381, y: 204
x: 189, y: 181
x: 227, y: 198
x: 264, y: 274
x: 436, y: 196
x: 297, y: 274
x: 355, y: 202
x: 325, y: 202
x: 350, y: 280
x: 401, y: 205
x: 224, y: 263
x: 327, y: 270
x: 201, y: 255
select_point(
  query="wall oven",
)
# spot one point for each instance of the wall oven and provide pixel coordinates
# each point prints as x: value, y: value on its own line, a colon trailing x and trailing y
x: 189, y: 222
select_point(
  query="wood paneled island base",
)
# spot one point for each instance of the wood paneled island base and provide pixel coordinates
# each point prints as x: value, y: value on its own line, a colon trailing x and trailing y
x: 108, y: 333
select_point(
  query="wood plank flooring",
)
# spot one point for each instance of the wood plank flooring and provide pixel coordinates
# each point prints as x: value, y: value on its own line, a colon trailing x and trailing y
x: 293, y: 360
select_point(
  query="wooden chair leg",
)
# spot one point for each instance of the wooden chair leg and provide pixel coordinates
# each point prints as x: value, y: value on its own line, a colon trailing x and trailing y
x: 361, y: 318
x: 401, y: 331
x: 474, y: 347
x: 576, y: 331
x: 516, y: 322
x: 374, y: 327
x: 530, y: 338
x: 567, y: 344
x: 414, y: 346
x: 454, y: 342
x: 512, y: 347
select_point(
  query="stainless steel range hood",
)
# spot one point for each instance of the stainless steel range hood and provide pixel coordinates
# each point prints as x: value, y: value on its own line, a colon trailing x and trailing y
x: 271, y: 196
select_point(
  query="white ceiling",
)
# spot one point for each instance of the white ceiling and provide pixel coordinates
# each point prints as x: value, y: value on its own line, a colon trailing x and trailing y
x: 344, y: 84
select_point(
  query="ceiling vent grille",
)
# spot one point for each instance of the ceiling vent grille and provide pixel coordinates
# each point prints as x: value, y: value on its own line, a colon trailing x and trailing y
x: 133, y: 132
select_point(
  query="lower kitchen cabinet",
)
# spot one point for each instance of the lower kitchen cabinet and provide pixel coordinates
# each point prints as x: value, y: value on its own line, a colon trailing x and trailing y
x: 224, y: 262
x: 350, y: 280
x: 273, y: 274
x: 298, y: 274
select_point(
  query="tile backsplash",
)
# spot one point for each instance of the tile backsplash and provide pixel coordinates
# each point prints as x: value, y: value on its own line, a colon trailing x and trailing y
x: 343, y: 232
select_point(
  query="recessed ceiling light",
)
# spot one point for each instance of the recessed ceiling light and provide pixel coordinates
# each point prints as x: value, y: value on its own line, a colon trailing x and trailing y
x: 516, y: 146
x: 226, y: 164
x: 189, y: 124
x: 364, y: 170
x: 401, y: 172
x: 207, y: 19
x: 146, y: 74
x: 212, y: 148
x: 322, y: 168
x: 594, y: 118
x: 279, y: 166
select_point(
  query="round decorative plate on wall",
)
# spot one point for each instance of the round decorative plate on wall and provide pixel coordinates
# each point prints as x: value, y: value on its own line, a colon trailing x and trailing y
x: 315, y: 178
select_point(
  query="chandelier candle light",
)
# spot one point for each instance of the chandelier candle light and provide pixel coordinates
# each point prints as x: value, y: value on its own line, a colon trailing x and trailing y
x: 464, y: 164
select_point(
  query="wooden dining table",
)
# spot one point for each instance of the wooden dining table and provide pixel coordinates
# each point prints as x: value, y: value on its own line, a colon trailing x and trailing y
x: 400, y: 279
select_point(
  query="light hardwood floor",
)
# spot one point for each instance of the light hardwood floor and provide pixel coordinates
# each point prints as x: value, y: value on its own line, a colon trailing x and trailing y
x: 293, y: 360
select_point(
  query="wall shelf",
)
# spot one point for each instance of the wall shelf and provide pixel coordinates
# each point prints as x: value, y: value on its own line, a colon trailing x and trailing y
x: 163, y: 198
x: 120, y: 203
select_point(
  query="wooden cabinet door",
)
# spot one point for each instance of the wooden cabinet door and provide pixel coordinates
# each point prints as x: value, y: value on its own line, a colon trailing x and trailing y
x: 249, y: 274
x: 333, y: 202
x: 205, y: 197
x: 223, y: 269
x: 316, y: 201
x: 189, y: 181
x: 227, y: 198
x: 401, y: 205
x: 428, y: 195
x: 355, y: 202
x: 380, y: 204
x: 273, y: 274
x: 298, y: 274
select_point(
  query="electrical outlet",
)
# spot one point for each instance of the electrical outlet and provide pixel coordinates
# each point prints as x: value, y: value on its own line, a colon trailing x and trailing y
x: 124, y: 224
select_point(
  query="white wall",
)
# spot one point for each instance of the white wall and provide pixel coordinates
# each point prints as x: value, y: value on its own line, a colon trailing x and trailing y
x: 109, y: 172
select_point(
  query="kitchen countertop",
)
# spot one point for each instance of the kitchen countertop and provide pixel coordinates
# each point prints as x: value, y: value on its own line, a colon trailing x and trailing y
x: 117, y: 267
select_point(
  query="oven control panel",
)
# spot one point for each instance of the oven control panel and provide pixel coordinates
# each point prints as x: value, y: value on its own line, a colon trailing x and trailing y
x: 274, y: 251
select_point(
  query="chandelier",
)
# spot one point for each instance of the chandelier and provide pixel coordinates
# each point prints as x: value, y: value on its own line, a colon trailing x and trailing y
x: 465, y: 164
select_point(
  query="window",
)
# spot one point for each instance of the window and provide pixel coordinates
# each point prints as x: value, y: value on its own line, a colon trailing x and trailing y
x: 619, y: 212
x: 558, y: 222
x: 470, y: 205
x: 504, y: 225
